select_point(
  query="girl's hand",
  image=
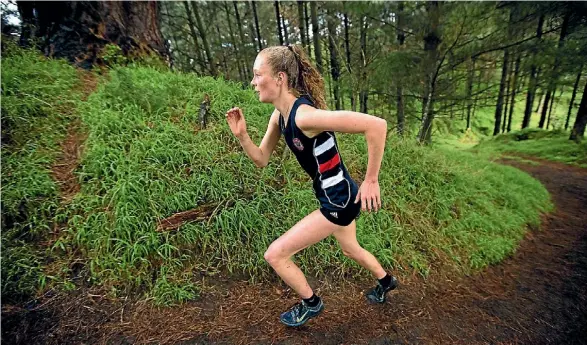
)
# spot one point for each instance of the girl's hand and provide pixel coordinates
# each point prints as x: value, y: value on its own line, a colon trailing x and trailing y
x: 369, y: 195
x: 236, y: 122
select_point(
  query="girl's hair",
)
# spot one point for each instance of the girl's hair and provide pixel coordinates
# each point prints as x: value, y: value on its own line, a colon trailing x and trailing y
x: 303, y: 77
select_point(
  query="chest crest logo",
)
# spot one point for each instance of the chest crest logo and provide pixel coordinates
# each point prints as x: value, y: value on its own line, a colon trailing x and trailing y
x: 298, y: 144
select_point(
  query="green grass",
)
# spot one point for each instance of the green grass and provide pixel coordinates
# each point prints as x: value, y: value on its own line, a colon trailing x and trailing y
x: 550, y: 145
x: 452, y: 132
x: 37, y: 102
x: 145, y: 159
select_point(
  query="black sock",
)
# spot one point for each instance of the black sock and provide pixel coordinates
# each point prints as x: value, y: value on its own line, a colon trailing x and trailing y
x: 385, y: 281
x: 312, y: 301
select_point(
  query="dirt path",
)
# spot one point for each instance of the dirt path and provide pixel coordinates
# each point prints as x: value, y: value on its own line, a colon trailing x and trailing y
x: 539, y: 296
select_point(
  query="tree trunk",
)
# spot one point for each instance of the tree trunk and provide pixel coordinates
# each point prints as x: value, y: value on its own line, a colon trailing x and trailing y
x: 540, y: 99
x: 507, y: 100
x: 224, y: 63
x: 514, y: 88
x: 578, y: 130
x: 285, y: 34
x: 550, y: 108
x: 334, y: 64
x: 533, y: 77
x: 301, y: 23
x: 241, y: 45
x: 364, y: 91
x: 192, y: 26
x: 175, y: 46
x: 27, y: 16
x: 498, y: 108
x: 571, y: 103
x: 553, y: 78
x: 316, y: 37
x: 544, y: 109
x: 431, y: 42
x: 307, y: 19
x: 233, y: 43
x: 476, y: 98
x: 470, y: 78
x: 79, y: 30
x: 399, y: 91
x: 207, y: 49
x: 251, y: 26
x: 278, y: 19
x: 348, y: 60
x: 259, y: 40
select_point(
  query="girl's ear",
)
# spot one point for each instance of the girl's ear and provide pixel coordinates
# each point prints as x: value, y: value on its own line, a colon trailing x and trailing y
x: 281, y: 76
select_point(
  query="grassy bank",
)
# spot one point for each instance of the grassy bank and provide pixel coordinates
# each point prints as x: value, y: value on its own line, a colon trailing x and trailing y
x: 550, y: 145
x: 38, y: 102
x: 146, y: 158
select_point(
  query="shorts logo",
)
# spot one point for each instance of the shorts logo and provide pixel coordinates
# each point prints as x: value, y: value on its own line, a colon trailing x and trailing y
x: 298, y: 144
x: 334, y: 214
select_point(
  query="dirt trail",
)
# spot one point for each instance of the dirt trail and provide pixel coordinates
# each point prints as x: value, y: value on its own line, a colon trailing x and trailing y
x: 539, y: 296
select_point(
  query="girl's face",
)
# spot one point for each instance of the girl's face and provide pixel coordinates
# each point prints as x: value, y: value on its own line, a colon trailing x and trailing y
x: 266, y: 84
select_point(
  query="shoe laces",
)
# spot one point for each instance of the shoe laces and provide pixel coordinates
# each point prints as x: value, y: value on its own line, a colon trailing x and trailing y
x: 379, y: 289
x: 297, y: 308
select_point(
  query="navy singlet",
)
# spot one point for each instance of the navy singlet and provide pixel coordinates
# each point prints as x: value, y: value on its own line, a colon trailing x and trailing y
x: 319, y: 157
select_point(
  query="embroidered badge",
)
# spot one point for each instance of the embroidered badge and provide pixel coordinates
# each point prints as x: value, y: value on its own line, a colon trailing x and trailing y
x: 298, y: 144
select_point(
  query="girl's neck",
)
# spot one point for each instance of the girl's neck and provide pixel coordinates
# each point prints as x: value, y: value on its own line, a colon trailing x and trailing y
x: 284, y: 104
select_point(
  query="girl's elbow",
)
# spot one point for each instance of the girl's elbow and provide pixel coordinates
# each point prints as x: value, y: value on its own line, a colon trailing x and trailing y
x: 261, y: 164
x: 383, y: 125
x: 380, y: 126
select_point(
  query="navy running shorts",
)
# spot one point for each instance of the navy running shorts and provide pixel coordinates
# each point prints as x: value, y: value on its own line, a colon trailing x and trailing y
x: 342, y: 216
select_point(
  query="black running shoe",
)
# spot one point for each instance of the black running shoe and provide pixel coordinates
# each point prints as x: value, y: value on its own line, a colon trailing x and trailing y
x: 300, y: 313
x: 377, y: 294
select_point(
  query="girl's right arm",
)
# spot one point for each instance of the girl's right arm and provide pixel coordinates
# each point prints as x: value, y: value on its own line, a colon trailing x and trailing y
x: 259, y: 155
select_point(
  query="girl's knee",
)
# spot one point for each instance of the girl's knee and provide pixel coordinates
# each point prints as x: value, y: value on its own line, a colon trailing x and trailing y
x: 273, y: 255
x: 353, y: 253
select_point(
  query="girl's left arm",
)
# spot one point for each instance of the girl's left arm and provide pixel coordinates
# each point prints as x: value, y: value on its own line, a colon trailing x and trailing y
x: 375, y: 131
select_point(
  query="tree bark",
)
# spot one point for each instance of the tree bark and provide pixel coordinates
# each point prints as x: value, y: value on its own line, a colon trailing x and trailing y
x: 79, y: 30
x: 240, y: 47
x: 553, y: 78
x: 571, y: 103
x: 507, y: 100
x: 544, y: 109
x: 552, y: 102
x: 27, y: 17
x: 259, y: 40
x: 578, y: 130
x: 278, y: 19
x: 498, y: 108
x: 540, y: 98
x: 224, y: 63
x: 431, y: 42
x: 307, y: 19
x: 302, y: 23
x: 192, y: 26
x: 348, y: 60
x: 207, y: 49
x: 233, y: 43
x: 334, y: 64
x: 364, y: 93
x: 514, y: 88
x: 316, y: 37
x: 285, y: 34
x: 533, y: 78
x: 399, y: 91
x: 470, y: 78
